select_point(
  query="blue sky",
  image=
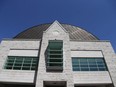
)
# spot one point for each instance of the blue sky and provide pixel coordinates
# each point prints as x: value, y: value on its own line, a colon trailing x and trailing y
x: 95, y: 16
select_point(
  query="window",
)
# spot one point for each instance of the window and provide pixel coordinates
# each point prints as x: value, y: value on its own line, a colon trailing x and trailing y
x: 21, y: 63
x: 88, y: 64
x: 55, y: 55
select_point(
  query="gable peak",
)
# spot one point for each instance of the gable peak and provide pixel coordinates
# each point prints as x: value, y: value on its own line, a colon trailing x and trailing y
x: 56, y: 23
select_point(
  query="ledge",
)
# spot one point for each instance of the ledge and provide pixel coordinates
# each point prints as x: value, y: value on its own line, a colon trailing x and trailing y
x: 54, y: 68
x: 10, y: 39
x: 90, y: 40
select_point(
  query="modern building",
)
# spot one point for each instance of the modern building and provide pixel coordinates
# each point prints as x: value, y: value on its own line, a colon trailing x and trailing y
x: 57, y: 55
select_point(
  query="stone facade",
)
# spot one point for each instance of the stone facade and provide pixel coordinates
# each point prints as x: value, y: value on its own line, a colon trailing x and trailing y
x: 16, y: 75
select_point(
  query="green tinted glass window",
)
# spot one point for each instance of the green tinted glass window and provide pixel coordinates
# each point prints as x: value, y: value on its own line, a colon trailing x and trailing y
x: 21, y: 63
x: 55, y: 55
x: 88, y: 64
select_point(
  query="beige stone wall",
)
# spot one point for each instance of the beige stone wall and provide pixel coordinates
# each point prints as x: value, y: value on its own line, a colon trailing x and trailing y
x: 24, y: 76
x: 107, y: 51
x: 91, y: 77
x: 66, y: 75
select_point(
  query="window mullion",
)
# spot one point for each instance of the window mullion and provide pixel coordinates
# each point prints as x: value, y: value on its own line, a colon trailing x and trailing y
x: 31, y: 63
x: 88, y: 64
x: 97, y: 64
x: 23, y: 62
x: 14, y: 63
x: 79, y: 65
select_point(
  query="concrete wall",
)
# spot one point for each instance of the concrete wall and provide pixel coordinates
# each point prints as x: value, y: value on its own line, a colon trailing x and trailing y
x: 20, y: 76
x: 23, y: 52
x: 109, y: 56
x: 89, y: 77
x: 87, y: 53
x: 24, y: 76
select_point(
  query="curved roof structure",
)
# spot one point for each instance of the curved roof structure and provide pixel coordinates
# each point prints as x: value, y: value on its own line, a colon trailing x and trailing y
x: 75, y: 33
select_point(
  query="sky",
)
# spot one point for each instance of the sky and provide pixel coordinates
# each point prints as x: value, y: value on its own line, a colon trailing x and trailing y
x: 95, y: 16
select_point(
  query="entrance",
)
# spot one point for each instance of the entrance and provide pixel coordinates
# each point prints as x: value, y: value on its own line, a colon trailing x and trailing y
x: 54, y: 83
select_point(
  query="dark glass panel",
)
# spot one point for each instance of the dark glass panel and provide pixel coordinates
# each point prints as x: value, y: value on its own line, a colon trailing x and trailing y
x: 84, y: 69
x: 33, y: 68
x: 102, y: 69
x: 8, y: 67
x: 10, y: 60
x: 27, y: 61
x: 76, y: 69
x: 26, y: 64
x: 55, y: 60
x: 9, y: 64
x: 18, y: 64
x: 26, y: 68
x: 55, y: 64
x: 101, y: 65
x: 93, y: 69
x: 93, y: 65
x: 17, y: 68
x: 34, y: 64
x: 83, y: 65
x: 75, y: 65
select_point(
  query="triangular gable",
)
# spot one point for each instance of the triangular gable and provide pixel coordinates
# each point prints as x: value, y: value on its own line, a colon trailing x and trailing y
x: 54, y: 24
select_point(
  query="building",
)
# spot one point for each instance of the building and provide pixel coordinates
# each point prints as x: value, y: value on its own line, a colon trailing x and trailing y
x: 57, y: 55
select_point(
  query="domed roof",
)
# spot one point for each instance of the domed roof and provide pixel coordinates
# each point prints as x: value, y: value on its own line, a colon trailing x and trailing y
x: 75, y: 33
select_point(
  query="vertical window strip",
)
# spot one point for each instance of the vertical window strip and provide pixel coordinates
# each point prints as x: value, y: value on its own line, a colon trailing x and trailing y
x: 54, y: 57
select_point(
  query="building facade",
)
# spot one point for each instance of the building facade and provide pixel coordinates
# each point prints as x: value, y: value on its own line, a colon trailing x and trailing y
x: 57, y: 55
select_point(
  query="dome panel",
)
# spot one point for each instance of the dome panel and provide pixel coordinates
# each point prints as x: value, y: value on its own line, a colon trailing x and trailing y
x: 75, y: 33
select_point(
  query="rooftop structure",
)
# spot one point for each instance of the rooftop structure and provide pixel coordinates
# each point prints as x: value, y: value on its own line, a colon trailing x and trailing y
x: 75, y: 33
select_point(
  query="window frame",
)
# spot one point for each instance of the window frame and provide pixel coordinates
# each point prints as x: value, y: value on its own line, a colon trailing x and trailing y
x: 91, y: 64
x: 21, y: 63
x: 54, y: 59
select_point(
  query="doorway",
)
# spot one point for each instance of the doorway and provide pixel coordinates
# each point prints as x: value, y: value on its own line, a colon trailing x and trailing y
x: 54, y: 83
